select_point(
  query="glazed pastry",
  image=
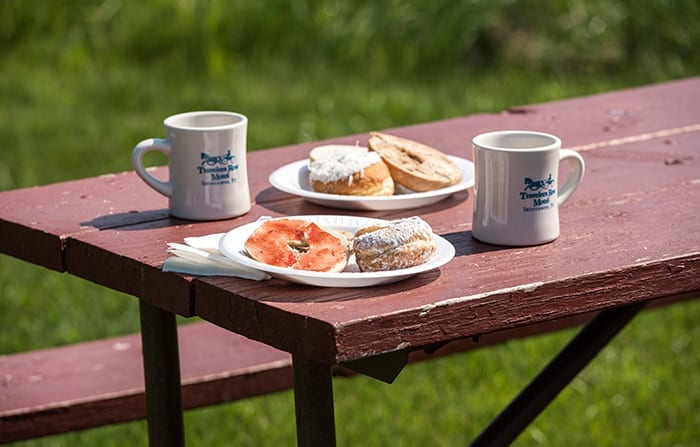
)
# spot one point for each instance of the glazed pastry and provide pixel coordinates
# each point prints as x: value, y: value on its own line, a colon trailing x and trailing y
x: 414, y: 165
x: 399, y: 244
x: 353, y: 172
x: 330, y: 150
x: 298, y: 244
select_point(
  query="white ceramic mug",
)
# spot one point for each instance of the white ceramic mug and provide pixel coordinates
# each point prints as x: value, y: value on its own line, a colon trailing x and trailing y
x: 516, y: 193
x: 207, y: 163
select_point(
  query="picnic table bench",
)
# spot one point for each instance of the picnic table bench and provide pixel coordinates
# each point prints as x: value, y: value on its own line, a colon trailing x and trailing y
x: 630, y: 237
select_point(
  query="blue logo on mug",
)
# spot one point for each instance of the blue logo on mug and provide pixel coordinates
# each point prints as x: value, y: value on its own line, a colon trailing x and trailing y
x: 540, y: 192
x: 213, y: 160
x: 218, y: 168
x: 536, y: 185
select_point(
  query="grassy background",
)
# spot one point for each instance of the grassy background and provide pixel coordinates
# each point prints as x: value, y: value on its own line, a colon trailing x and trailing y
x: 82, y: 81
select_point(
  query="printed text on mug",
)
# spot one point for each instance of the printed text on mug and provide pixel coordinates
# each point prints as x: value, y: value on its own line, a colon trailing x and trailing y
x: 218, y: 169
x: 539, y: 194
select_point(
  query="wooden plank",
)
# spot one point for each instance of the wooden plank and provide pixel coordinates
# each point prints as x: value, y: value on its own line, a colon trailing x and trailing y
x: 101, y: 382
x: 32, y: 245
x: 35, y: 221
x: 123, y: 265
x: 545, y: 327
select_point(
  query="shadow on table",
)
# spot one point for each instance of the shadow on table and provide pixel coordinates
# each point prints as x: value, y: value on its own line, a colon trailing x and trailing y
x: 298, y: 293
x: 154, y: 218
x: 465, y: 244
x: 271, y: 199
x: 279, y: 202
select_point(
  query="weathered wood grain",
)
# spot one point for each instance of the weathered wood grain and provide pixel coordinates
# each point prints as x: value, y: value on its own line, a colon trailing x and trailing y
x: 629, y: 233
x: 101, y: 382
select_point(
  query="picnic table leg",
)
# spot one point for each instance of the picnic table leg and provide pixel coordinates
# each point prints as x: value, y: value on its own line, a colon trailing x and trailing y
x: 313, y: 402
x: 556, y: 375
x: 161, y: 365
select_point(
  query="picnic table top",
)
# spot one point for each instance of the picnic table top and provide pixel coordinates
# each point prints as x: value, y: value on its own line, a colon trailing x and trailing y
x: 629, y: 233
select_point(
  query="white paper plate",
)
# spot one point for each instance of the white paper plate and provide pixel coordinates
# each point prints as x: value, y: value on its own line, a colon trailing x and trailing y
x: 232, y: 245
x: 294, y: 179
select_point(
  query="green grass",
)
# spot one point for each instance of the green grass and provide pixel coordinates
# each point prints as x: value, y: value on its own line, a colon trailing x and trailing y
x: 81, y: 82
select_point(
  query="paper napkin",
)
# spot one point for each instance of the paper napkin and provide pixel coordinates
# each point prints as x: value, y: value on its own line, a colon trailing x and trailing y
x: 201, y: 256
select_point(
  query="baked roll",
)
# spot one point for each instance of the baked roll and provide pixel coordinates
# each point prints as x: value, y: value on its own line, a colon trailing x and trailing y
x: 355, y: 172
x: 399, y: 244
x: 414, y: 165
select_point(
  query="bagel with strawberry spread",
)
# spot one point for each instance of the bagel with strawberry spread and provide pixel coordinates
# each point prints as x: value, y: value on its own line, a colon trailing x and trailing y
x: 298, y: 244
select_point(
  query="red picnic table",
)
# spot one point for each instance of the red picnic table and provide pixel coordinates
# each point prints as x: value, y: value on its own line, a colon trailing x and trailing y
x: 630, y: 236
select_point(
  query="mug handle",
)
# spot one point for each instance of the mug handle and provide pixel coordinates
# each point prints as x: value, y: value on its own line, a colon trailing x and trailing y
x: 576, y: 169
x: 152, y: 144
